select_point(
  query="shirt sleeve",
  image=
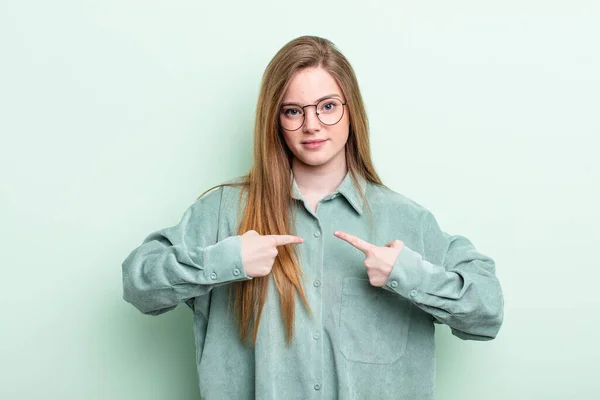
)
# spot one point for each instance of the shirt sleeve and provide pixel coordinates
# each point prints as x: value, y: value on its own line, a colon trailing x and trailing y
x: 175, y: 264
x: 454, y: 283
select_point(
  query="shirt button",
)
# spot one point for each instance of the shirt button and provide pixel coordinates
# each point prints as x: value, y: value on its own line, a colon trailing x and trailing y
x: 317, y: 283
x: 394, y: 284
x: 317, y: 234
x: 236, y: 272
x: 213, y: 275
x: 316, y: 335
x: 413, y: 293
x: 317, y: 386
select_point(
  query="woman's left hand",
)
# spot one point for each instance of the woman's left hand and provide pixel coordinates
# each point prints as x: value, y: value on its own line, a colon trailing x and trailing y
x: 380, y: 260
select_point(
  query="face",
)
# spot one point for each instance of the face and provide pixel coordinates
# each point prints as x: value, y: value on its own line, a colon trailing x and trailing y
x: 308, y: 86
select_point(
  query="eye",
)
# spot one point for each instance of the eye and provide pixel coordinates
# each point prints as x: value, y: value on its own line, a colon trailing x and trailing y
x: 329, y: 106
x: 292, y: 111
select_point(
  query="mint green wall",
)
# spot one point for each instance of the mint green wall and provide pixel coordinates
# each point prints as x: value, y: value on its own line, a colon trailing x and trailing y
x: 116, y: 115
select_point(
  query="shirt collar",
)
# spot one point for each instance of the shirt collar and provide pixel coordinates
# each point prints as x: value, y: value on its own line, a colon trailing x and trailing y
x: 347, y: 188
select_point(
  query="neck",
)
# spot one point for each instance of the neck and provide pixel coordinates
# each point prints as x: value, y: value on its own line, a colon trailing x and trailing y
x: 318, y: 181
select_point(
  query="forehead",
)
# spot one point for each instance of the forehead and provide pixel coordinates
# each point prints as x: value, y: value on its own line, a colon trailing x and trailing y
x: 307, y: 85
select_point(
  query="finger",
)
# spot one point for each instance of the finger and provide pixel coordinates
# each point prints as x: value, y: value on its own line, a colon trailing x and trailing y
x: 355, y: 241
x: 395, y: 244
x: 281, y: 240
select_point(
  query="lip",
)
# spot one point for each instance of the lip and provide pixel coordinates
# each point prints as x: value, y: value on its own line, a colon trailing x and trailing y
x: 314, y: 144
x: 313, y: 141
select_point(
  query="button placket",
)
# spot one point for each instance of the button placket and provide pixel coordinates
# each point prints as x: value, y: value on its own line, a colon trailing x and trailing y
x: 317, y: 283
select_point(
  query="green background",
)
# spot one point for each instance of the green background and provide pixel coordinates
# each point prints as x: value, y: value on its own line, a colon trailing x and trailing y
x: 116, y: 115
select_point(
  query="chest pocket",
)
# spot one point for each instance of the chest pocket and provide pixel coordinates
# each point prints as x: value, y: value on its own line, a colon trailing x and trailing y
x: 373, y: 322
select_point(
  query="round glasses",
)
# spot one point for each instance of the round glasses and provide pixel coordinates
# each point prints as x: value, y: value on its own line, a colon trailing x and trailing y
x: 329, y: 111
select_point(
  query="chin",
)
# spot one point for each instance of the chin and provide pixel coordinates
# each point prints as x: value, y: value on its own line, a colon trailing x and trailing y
x: 314, y: 161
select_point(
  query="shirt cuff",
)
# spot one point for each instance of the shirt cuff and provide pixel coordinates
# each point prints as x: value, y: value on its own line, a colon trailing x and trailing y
x: 222, y: 262
x: 409, y: 275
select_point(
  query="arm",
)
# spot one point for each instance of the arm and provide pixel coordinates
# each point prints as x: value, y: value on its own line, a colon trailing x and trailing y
x: 456, y: 284
x: 176, y: 264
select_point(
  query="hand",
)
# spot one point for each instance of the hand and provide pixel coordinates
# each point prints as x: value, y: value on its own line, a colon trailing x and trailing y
x: 380, y: 260
x: 259, y: 251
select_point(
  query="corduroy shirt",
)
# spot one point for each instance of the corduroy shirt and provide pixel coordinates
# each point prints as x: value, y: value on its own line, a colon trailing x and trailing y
x: 363, y: 341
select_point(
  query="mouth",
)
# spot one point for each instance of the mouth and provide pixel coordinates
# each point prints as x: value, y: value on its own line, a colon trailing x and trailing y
x: 314, y: 144
x: 313, y: 141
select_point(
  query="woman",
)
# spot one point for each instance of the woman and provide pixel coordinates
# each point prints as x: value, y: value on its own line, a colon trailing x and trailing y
x: 335, y: 280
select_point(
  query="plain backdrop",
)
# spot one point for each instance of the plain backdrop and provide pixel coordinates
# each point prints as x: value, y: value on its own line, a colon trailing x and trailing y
x: 116, y: 115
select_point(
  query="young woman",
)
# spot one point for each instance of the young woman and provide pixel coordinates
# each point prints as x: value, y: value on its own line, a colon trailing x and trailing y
x: 307, y: 277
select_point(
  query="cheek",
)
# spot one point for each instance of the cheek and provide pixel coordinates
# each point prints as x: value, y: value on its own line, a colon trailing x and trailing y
x: 289, y: 139
x: 341, y: 132
x: 344, y: 125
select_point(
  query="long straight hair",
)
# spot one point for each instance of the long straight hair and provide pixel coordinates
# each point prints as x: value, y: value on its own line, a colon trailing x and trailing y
x: 267, y: 186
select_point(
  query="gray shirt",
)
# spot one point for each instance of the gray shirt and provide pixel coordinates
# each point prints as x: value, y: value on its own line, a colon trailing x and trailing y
x: 362, y: 342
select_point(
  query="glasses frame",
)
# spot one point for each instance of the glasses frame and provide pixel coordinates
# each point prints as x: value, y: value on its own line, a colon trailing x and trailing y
x: 316, y: 111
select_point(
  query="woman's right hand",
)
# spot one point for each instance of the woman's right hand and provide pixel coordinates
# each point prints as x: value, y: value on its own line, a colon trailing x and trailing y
x: 259, y: 251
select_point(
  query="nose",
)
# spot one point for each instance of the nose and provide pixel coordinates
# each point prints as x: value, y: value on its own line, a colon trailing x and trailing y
x: 311, y: 121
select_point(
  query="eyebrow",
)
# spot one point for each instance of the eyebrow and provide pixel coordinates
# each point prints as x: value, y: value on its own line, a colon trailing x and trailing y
x: 316, y: 101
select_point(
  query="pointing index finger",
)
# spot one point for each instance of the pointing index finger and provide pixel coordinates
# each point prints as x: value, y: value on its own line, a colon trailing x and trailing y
x: 354, y: 241
x: 281, y: 240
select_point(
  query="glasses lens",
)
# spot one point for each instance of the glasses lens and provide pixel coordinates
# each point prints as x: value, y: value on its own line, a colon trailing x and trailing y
x: 330, y: 111
x: 291, y: 117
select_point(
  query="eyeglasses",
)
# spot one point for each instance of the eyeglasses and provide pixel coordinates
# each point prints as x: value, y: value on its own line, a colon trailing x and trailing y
x: 329, y: 111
